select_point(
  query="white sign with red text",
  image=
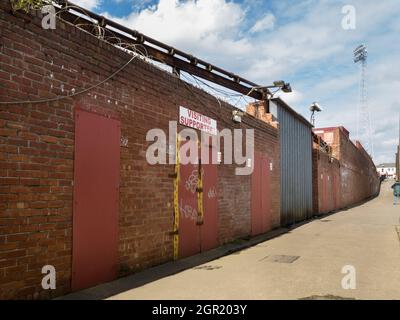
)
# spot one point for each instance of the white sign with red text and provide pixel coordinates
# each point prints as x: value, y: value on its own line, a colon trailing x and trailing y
x: 193, y: 119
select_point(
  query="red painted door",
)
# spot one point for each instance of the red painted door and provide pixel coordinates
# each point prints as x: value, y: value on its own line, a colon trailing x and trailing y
x: 209, y: 230
x: 324, y: 193
x: 265, y: 194
x: 194, y: 236
x: 189, y: 231
x: 260, y: 196
x: 329, y: 194
x: 96, y: 189
x: 335, y: 193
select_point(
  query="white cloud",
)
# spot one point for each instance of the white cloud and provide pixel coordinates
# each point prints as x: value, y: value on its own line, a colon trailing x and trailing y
x: 266, y: 23
x: 308, y: 47
x: 206, y: 28
x: 89, y: 4
x: 290, y: 98
x: 187, y: 22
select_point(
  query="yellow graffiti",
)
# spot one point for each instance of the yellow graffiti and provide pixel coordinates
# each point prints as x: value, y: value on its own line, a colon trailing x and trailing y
x: 200, y: 193
x: 176, y: 200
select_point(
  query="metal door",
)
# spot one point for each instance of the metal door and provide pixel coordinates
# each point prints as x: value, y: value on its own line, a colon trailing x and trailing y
x: 260, y: 196
x: 335, y: 192
x: 96, y: 189
x: 209, y: 228
x: 266, y: 194
x: 198, y: 203
x: 325, y: 198
x: 189, y: 231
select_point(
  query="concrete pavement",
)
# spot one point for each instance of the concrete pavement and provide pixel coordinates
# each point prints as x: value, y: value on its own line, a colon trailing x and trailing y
x: 304, y: 263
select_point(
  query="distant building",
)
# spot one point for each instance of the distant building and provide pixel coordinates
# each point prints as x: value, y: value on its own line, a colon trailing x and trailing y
x: 388, y: 169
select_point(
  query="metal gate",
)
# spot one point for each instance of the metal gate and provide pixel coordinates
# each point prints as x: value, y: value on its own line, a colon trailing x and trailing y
x: 197, y: 228
x: 96, y: 189
x: 260, y: 196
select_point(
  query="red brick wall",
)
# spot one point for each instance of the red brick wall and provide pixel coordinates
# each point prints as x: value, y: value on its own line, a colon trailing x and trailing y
x: 37, y: 152
x: 326, y: 182
x: 272, y: 149
x: 358, y: 177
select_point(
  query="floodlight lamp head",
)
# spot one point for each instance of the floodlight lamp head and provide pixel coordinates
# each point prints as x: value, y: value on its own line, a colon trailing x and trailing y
x: 287, y: 88
x: 315, y: 107
x: 279, y: 83
x: 282, y: 85
x: 237, y: 116
x: 360, y: 54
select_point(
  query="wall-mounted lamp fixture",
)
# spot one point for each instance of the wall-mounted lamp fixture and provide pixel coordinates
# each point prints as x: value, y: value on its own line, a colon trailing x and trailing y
x: 285, y: 86
x: 279, y: 84
x: 237, y: 116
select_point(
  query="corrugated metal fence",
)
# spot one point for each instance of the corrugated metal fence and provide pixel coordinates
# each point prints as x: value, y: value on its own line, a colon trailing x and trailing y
x: 296, y: 164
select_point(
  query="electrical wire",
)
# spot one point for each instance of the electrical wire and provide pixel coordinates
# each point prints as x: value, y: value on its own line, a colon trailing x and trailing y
x: 101, y: 31
x: 275, y: 92
x: 131, y: 48
x: 219, y: 102
x: 58, y: 98
x: 221, y: 91
x: 227, y: 95
x: 196, y: 96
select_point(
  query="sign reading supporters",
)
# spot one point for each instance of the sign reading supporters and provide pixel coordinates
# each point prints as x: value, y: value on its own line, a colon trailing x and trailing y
x: 192, y: 119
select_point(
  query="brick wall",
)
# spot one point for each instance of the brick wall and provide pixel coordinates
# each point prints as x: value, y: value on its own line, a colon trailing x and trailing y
x: 358, y: 177
x: 326, y: 182
x: 37, y: 152
x: 258, y: 110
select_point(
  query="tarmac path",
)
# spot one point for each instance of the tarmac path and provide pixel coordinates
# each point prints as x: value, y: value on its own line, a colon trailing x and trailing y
x: 305, y: 263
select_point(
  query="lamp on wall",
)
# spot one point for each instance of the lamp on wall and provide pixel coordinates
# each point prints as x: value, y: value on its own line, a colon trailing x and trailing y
x: 237, y: 116
x: 285, y: 86
x: 279, y: 84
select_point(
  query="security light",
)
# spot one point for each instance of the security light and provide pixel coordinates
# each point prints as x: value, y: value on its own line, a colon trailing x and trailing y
x: 315, y: 107
x: 284, y: 86
x: 279, y: 83
x: 237, y: 116
x: 287, y: 88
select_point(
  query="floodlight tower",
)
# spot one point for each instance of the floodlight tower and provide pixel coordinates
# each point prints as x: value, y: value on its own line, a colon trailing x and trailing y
x: 364, y: 127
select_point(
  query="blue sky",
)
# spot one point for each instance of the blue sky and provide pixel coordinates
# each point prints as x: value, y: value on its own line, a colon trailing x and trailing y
x: 302, y: 42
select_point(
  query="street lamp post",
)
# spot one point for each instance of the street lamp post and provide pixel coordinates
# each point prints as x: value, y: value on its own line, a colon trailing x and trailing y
x: 315, y: 107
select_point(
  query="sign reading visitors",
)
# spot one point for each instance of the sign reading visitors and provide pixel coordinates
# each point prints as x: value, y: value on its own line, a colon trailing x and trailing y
x: 197, y: 121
